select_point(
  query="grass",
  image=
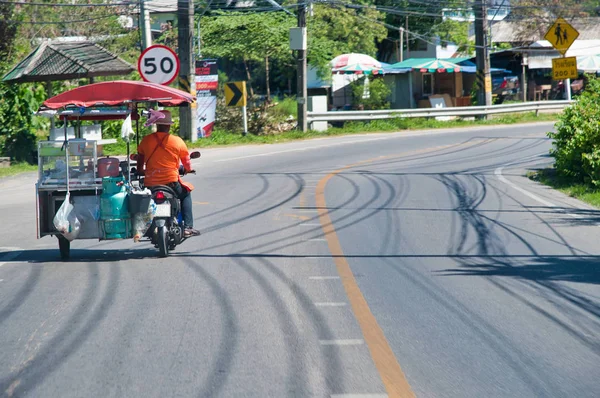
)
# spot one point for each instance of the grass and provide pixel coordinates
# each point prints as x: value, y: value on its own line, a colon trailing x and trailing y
x: 287, y: 106
x: 584, y: 192
x: 226, y: 138
x: 17, y: 168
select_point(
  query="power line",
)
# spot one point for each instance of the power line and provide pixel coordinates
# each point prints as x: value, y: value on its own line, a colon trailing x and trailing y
x: 61, y: 22
x: 25, y: 3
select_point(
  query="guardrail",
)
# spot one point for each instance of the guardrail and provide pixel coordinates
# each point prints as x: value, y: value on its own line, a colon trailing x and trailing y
x: 462, y: 111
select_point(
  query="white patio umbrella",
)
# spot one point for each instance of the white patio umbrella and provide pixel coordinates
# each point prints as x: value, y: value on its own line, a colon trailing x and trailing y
x: 588, y: 63
x: 363, y: 60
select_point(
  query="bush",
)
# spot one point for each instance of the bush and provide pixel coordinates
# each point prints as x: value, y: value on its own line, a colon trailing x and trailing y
x: 19, y: 145
x: 576, y: 146
x: 18, y: 126
x: 264, y: 118
x: 377, y: 95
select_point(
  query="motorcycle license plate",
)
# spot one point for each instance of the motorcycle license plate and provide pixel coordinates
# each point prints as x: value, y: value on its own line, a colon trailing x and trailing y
x: 163, y: 210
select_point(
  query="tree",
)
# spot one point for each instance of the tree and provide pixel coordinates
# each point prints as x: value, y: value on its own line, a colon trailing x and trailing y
x: 457, y: 32
x: 422, y: 20
x: 335, y: 29
x: 248, y: 38
x: 536, y: 16
x: 24, y: 23
x: 8, y: 32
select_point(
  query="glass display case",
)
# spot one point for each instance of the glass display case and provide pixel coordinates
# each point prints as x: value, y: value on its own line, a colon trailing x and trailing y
x: 74, y: 160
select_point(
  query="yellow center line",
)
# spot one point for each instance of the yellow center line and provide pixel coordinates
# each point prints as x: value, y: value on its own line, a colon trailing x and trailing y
x: 385, y: 361
x: 201, y: 203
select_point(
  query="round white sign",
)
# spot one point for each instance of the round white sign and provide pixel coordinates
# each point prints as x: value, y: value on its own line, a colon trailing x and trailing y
x: 158, y: 64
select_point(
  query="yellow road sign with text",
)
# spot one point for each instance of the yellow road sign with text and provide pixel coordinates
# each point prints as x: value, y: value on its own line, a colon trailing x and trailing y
x: 564, y: 68
x: 561, y: 35
x: 235, y: 94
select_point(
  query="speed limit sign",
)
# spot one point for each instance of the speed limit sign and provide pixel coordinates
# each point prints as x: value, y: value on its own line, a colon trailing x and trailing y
x: 158, y: 64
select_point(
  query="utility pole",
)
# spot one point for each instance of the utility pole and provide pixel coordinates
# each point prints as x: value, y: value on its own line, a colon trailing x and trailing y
x: 407, y: 31
x: 302, y: 94
x: 145, y: 21
x: 401, y: 42
x: 185, y: 33
x: 484, y: 79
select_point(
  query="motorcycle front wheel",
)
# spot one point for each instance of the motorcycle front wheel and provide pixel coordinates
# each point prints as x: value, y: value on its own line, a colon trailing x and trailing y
x: 162, y: 237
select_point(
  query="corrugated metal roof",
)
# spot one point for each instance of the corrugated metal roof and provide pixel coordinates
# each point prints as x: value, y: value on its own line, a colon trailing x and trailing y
x: 161, y: 6
x: 67, y: 60
x: 517, y: 32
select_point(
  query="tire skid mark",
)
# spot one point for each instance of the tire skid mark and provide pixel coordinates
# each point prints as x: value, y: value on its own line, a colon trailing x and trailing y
x: 215, y: 380
x: 67, y: 340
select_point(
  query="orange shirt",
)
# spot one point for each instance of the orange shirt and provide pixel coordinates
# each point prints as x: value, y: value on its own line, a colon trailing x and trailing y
x: 162, y: 164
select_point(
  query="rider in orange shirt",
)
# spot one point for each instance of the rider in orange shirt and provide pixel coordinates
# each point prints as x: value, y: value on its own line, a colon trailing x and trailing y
x: 162, y: 153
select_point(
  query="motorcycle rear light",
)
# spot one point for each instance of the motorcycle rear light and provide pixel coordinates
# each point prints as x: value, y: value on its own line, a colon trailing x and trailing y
x: 159, y: 197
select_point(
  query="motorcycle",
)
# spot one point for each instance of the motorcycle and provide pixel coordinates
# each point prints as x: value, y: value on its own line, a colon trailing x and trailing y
x: 167, y: 228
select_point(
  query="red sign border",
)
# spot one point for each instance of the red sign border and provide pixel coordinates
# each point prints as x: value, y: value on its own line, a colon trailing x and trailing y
x: 153, y: 47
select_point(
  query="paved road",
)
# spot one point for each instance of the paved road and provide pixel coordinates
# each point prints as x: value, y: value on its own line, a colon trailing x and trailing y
x: 364, y: 266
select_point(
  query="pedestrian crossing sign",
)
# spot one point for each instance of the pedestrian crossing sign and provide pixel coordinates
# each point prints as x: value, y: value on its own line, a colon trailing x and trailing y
x: 561, y: 35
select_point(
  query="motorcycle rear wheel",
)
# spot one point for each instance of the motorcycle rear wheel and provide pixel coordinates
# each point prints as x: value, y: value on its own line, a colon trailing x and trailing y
x: 163, y: 245
x: 64, y: 246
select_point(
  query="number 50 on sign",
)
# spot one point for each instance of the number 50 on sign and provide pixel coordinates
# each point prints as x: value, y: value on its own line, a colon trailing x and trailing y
x: 564, y: 68
x: 158, y: 64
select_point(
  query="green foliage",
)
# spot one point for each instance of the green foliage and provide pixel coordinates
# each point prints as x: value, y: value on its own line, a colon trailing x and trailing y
x: 285, y: 107
x: 456, y: 32
x: 248, y: 39
x: 335, y: 30
x: 18, y: 125
x: 8, y: 30
x: 584, y: 192
x: 376, y: 96
x: 576, y: 146
x: 17, y: 168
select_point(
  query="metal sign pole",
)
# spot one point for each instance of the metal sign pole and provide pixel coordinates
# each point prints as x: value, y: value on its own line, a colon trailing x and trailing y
x: 567, y: 83
x: 245, y: 120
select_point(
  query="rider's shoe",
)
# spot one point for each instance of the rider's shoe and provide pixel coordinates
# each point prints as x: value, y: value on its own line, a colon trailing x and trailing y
x: 189, y: 231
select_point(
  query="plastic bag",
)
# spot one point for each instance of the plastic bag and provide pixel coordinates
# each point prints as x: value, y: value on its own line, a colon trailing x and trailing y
x: 127, y: 132
x: 142, y: 221
x: 65, y: 221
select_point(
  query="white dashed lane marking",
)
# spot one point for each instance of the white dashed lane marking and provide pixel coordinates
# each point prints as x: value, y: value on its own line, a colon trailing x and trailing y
x: 342, y: 342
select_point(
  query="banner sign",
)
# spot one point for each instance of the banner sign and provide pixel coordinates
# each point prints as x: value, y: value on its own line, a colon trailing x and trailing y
x: 207, y: 82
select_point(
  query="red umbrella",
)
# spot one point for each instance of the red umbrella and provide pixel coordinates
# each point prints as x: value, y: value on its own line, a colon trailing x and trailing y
x: 344, y: 60
x: 119, y: 92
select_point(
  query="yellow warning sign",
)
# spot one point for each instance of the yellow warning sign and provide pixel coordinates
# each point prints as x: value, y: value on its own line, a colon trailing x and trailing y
x: 561, y: 35
x: 235, y: 94
x: 564, y: 68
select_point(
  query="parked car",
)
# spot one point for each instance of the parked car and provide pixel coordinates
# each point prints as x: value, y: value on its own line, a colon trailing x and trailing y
x: 505, y: 87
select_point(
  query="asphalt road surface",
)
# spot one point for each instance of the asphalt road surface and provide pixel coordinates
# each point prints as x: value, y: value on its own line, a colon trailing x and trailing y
x: 410, y: 264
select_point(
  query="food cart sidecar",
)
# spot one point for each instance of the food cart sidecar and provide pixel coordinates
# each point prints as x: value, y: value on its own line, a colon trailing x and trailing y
x: 103, y: 200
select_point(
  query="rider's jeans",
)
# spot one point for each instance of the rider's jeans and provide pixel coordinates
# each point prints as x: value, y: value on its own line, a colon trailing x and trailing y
x: 186, y: 203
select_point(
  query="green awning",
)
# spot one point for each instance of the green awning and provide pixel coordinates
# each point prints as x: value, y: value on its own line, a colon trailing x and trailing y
x: 53, y: 61
x: 415, y: 62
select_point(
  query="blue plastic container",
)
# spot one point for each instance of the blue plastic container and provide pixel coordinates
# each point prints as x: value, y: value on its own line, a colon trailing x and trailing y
x: 114, y: 209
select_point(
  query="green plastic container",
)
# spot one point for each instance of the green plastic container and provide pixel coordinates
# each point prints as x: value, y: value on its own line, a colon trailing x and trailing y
x: 114, y: 209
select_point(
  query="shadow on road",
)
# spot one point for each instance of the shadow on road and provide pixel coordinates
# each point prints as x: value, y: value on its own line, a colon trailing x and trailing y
x: 85, y: 255
x: 580, y: 269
